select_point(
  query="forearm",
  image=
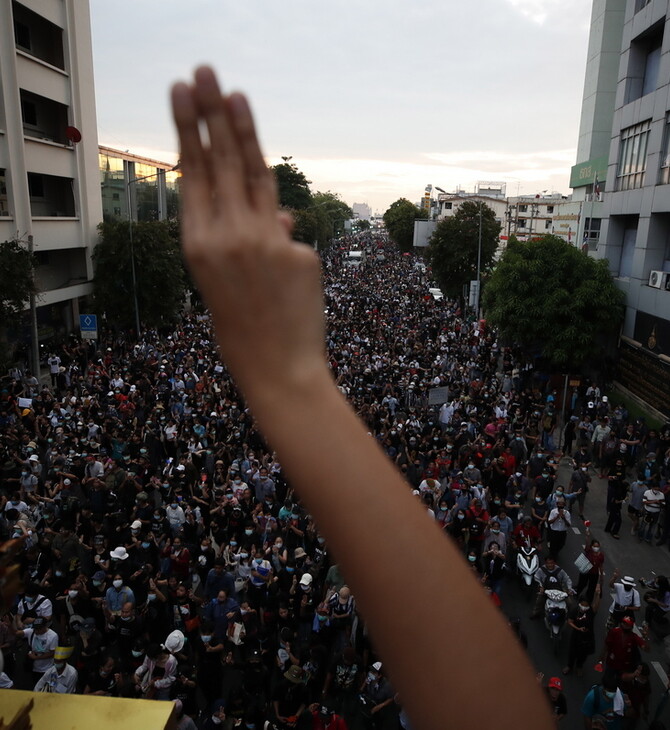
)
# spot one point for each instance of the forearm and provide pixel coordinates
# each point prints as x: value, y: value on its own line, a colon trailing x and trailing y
x: 351, y: 482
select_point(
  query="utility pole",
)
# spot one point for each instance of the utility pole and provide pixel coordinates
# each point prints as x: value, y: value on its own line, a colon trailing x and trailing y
x: 35, y: 345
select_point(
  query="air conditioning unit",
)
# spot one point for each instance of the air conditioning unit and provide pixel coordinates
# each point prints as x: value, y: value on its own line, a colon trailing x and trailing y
x: 658, y: 279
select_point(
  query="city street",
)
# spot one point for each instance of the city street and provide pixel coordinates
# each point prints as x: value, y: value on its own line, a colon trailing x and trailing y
x: 630, y: 558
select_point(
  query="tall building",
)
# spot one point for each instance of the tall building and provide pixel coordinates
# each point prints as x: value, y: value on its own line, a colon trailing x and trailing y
x: 362, y: 211
x: 49, y: 184
x: 635, y: 208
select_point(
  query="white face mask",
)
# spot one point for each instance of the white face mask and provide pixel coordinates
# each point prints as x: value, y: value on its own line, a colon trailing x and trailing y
x: 117, y: 583
x: 72, y: 594
x: 216, y: 719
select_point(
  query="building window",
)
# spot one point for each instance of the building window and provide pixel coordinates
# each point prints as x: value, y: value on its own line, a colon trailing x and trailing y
x: 627, y: 252
x: 633, y: 156
x: 550, y: 209
x: 521, y: 223
x: 43, y: 118
x: 639, y: 4
x: 38, y: 36
x: 644, y: 60
x: 664, y: 172
x: 523, y: 208
x: 4, y: 210
x: 447, y: 206
x: 51, y: 196
x: 547, y: 224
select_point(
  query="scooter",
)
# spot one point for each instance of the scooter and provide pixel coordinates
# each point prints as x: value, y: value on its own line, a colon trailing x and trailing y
x: 555, y: 615
x: 527, y: 564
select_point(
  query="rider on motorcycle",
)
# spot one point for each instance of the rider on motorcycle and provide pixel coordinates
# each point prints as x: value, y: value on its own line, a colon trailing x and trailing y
x: 549, y: 576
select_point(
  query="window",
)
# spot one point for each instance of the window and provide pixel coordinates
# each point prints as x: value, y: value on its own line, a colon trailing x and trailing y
x: 639, y: 4
x: 523, y: 208
x: 550, y: 209
x: 38, y: 36
x: 43, y: 118
x: 51, y: 196
x: 35, y: 185
x: 4, y: 210
x: 29, y: 112
x: 547, y: 225
x: 521, y: 223
x: 633, y: 156
x: 447, y: 206
x: 644, y: 60
x: 22, y: 35
x: 627, y: 252
x: 664, y: 172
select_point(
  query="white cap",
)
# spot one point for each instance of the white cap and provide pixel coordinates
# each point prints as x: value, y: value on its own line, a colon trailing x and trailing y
x: 377, y: 666
x: 119, y: 553
x: 136, y: 525
x: 306, y: 579
x: 175, y: 641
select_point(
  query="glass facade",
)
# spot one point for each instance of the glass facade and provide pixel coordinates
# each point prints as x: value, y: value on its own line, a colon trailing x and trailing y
x: 633, y: 156
x: 113, y: 188
x: 153, y: 191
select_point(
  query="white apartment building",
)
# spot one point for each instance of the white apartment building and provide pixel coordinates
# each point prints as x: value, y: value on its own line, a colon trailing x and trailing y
x: 627, y: 91
x: 49, y: 178
x: 530, y: 216
x: 362, y: 211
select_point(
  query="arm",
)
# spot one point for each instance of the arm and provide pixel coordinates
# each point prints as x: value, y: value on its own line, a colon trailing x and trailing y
x: 300, y: 409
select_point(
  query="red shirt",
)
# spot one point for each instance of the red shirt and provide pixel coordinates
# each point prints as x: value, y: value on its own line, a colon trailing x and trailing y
x: 336, y: 722
x: 620, y: 644
x: 520, y: 534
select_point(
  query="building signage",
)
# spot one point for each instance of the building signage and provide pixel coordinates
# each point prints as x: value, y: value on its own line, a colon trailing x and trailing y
x: 88, y: 325
x: 585, y: 172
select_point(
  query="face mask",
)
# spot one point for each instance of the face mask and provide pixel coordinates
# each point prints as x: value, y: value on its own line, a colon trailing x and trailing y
x: 321, y: 540
x: 461, y: 517
x: 30, y: 599
x: 584, y: 468
x: 126, y: 618
x: 206, y: 638
x: 609, y: 695
x: 248, y: 532
x: 216, y: 719
x: 233, y: 543
x: 495, y: 532
x: 471, y: 466
x: 97, y: 583
x: 135, y: 532
x: 290, y: 570
x: 117, y: 583
x: 279, y: 545
x: 174, y: 505
x: 59, y: 574
x: 472, y: 558
x: 595, y: 548
x: 72, y: 594
x: 258, y: 561
x: 583, y: 608
x: 538, y: 499
x: 372, y: 677
x: 59, y: 665
x: 137, y: 654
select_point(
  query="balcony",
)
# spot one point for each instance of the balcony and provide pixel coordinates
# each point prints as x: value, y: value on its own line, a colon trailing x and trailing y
x: 43, y: 118
x: 51, y: 196
x: 37, y: 36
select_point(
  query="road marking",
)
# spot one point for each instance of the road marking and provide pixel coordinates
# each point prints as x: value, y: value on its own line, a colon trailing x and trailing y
x: 576, y: 530
x: 661, y: 672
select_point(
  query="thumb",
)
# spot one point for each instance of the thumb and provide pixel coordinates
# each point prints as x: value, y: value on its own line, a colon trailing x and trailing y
x: 286, y: 221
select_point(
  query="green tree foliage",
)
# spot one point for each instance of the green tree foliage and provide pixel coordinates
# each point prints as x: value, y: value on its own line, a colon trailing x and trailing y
x: 452, y: 250
x: 17, y: 266
x: 362, y: 224
x: 159, y: 267
x: 292, y: 186
x: 550, y: 297
x: 399, y: 221
x: 331, y: 212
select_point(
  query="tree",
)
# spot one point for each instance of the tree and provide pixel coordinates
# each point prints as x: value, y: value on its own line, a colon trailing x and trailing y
x: 17, y: 267
x: 331, y: 212
x: 399, y: 221
x: 453, y: 247
x: 160, y: 273
x: 548, y: 296
x: 292, y: 186
x: 362, y: 224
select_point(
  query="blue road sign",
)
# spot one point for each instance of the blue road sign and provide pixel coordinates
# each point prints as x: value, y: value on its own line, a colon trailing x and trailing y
x: 88, y: 325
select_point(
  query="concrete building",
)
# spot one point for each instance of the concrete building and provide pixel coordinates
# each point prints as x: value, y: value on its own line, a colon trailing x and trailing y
x: 362, y: 211
x: 49, y: 186
x: 530, y: 216
x: 635, y: 208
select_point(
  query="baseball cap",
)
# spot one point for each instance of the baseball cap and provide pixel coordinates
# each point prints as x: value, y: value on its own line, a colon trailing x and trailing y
x: 555, y: 683
x: 627, y: 621
x: 306, y: 579
x: 377, y: 666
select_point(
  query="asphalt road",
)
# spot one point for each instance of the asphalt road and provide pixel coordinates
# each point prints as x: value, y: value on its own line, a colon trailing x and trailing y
x: 628, y: 556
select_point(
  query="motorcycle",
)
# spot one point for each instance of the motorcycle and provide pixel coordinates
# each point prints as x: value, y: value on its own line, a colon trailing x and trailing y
x: 660, y: 621
x: 527, y: 564
x: 555, y: 615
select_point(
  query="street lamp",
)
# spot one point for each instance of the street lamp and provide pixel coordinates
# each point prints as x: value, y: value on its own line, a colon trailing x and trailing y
x: 130, y: 237
x: 479, y: 259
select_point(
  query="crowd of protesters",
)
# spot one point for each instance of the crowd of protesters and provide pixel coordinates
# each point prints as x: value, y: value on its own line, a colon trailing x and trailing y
x: 165, y: 556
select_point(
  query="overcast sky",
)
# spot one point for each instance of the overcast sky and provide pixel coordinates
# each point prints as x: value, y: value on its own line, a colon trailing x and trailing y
x: 374, y: 99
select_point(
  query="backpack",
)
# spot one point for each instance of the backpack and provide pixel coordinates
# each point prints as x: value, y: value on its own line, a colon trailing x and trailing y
x: 32, y: 611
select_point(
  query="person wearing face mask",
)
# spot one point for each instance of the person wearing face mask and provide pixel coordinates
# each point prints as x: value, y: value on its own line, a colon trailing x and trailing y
x: 117, y: 595
x: 579, y: 484
x: 104, y: 680
x: 617, y: 491
x: 458, y: 525
x: 626, y: 599
x: 595, y: 574
x: 637, y: 688
x: 582, y: 637
x: 62, y: 677
x: 379, y: 698
x: 32, y: 605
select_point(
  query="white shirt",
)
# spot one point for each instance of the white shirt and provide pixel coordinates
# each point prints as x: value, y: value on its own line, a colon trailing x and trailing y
x: 63, y: 683
x: 622, y: 597
x: 658, y: 498
x: 41, y: 643
x: 562, y: 523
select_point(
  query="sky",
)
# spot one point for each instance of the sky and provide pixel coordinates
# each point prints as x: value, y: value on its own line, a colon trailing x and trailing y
x: 373, y: 99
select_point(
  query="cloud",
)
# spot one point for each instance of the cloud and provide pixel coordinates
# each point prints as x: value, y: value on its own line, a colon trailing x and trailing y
x: 559, y: 11
x: 502, y: 162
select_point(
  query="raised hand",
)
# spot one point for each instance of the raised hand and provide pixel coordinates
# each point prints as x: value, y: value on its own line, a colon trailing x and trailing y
x: 263, y: 289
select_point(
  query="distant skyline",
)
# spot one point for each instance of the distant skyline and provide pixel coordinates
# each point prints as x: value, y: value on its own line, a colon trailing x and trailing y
x: 373, y: 101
